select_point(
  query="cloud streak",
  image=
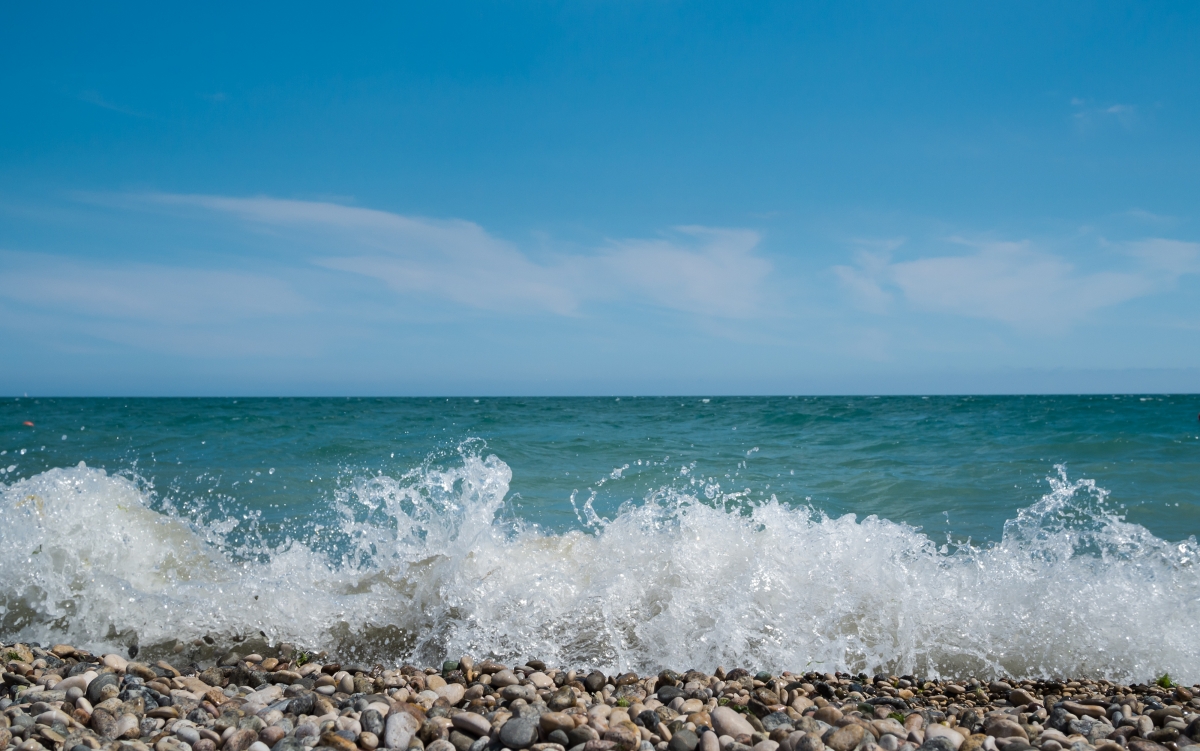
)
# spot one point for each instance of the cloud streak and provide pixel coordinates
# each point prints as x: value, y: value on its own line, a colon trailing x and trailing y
x: 167, y: 294
x: 697, y: 270
x: 1014, y: 282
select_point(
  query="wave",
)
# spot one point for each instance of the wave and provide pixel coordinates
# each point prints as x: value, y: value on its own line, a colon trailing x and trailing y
x: 436, y: 565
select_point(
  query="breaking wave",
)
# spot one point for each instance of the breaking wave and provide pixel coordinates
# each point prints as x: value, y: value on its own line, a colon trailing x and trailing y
x: 435, y: 564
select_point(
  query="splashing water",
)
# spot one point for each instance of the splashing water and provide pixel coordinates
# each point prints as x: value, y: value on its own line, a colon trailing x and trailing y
x: 435, y: 565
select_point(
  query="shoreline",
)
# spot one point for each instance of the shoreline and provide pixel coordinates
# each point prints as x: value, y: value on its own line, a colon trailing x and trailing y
x: 64, y: 699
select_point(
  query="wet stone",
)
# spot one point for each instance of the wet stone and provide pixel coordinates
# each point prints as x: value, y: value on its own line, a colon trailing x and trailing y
x: 595, y: 681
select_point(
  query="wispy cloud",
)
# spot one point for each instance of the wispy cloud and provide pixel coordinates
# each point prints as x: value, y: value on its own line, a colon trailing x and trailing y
x: 146, y: 292
x: 1014, y: 282
x: 700, y: 270
x: 93, y: 97
x: 1087, y: 114
x: 1149, y: 217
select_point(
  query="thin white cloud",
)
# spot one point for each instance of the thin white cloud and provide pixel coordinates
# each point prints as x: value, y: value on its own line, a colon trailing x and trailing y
x: 1173, y: 258
x: 1015, y: 283
x: 94, y: 98
x: 701, y: 270
x: 145, y: 292
x: 1149, y: 217
x: 721, y: 277
x: 1085, y: 115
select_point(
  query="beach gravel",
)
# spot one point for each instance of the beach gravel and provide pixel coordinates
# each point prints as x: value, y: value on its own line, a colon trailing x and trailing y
x: 66, y: 699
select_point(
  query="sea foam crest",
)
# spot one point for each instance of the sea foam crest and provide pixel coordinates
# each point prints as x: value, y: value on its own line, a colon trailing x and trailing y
x: 437, y: 567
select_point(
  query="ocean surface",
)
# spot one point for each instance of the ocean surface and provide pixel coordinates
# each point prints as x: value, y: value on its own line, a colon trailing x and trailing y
x: 952, y: 536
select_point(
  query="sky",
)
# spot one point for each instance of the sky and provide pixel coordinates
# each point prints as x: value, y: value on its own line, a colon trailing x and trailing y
x: 599, y: 198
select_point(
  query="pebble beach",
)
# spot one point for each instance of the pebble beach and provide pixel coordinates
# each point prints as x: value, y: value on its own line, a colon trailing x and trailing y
x: 67, y: 699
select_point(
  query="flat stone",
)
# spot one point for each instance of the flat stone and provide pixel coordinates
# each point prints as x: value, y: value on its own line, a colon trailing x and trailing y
x: 527, y: 693
x: 1019, y: 697
x: 540, y: 680
x: 504, y: 678
x: 828, y: 715
x: 1141, y: 744
x: 51, y: 717
x: 551, y: 721
x: 1001, y: 728
x: 728, y: 722
x: 114, y: 661
x: 1083, y: 710
x: 80, y: 681
x: 472, y: 723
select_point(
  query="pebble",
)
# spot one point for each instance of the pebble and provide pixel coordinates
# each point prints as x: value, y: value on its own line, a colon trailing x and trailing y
x: 519, y: 732
x: 941, y: 731
x: 68, y: 700
x: 400, y: 729
x: 728, y: 722
x: 452, y: 692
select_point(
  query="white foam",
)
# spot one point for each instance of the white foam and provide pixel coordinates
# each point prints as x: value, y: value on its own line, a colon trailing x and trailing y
x: 441, y: 569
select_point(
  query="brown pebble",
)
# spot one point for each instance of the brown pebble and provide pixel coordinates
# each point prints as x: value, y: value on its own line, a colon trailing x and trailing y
x: 337, y: 742
x: 240, y: 740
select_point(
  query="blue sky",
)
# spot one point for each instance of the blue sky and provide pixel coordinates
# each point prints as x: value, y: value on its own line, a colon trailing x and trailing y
x: 599, y: 197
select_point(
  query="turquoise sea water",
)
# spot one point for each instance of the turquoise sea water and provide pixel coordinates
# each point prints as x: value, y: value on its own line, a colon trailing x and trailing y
x: 946, y: 534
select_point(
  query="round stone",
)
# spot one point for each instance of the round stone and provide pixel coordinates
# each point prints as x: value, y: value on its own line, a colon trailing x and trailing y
x: 519, y: 732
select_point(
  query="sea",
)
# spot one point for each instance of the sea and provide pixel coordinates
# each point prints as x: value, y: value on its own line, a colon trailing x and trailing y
x: 1026, y: 536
